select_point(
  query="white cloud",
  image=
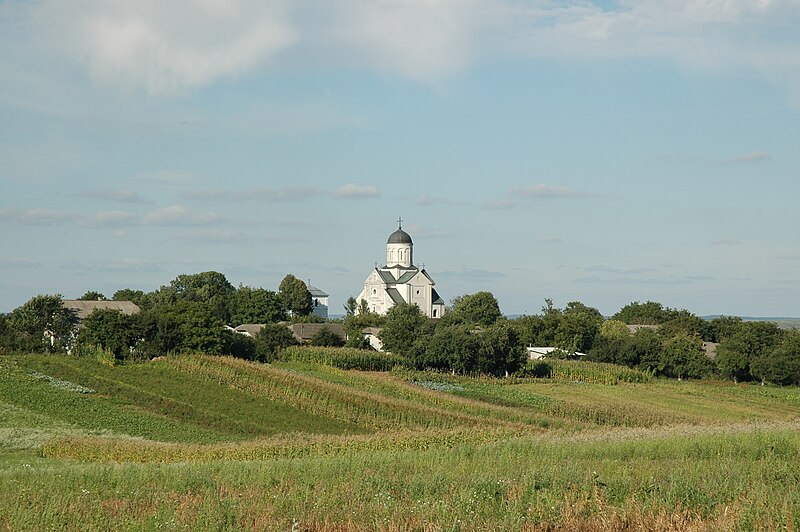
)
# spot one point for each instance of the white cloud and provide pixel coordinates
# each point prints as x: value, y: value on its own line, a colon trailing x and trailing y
x: 18, y: 264
x: 499, y: 205
x: 353, y: 191
x: 259, y: 194
x: 179, y: 215
x: 36, y: 216
x: 227, y: 236
x: 726, y: 242
x: 544, y: 191
x: 122, y: 195
x: 750, y: 158
x: 111, y: 219
x: 169, y: 46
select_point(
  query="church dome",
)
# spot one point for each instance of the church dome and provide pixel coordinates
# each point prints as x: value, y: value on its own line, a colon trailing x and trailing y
x: 399, y: 237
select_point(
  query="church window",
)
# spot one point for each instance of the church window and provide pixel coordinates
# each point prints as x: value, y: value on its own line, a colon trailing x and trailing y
x: 374, y: 291
x: 434, y: 313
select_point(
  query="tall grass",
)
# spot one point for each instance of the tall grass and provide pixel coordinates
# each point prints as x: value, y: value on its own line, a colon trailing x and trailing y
x: 736, y: 481
x: 583, y: 371
x: 343, y: 357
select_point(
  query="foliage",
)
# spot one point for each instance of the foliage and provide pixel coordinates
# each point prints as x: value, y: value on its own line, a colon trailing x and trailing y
x: 724, y: 327
x: 572, y: 329
x: 354, y: 324
x: 271, y: 340
x: 781, y: 364
x: 137, y: 297
x: 111, y: 330
x: 648, y: 313
x: 403, y: 325
x: 614, y: 329
x: 92, y: 295
x: 683, y: 356
x: 577, y: 327
x: 480, y: 309
x: 744, y: 344
x: 256, y: 305
x: 350, y: 306
x: 44, y: 323
x: 327, y: 338
x: 211, y: 289
x: 295, y: 296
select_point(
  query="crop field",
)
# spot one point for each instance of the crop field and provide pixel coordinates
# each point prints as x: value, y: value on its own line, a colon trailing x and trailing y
x: 310, y: 442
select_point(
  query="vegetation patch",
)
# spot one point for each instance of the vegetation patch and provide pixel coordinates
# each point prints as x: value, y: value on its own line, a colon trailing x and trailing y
x: 343, y: 357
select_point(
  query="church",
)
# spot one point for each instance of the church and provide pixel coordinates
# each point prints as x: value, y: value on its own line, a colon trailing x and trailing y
x: 399, y: 281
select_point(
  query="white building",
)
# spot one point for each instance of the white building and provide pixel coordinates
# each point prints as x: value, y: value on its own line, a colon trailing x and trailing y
x: 319, y: 301
x: 399, y: 281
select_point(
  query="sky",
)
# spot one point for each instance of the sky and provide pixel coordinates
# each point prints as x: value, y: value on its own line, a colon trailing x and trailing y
x: 604, y: 152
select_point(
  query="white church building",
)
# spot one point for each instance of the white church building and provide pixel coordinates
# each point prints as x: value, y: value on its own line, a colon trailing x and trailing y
x: 399, y: 281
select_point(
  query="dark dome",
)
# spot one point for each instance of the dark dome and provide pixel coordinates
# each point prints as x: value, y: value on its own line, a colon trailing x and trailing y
x: 399, y: 237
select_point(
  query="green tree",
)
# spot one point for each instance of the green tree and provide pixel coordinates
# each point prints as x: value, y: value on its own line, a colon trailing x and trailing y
x: 45, y: 323
x: 111, y: 330
x: 750, y: 341
x: 529, y: 330
x: 354, y: 324
x: 239, y: 346
x: 351, y: 306
x: 453, y: 347
x: 577, y: 327
x: 211, y: 289
x: 161, y: 333
x: 271, y: 340
x: 295, y: 296
x: 327, y: 338
x: 499, y: 350
x: 403, y: 325
x: 480, y: 308
x: 92, y: 295
x: 256, y: 305
x: 136, y: 297
x: 684, y: 322
x: 643, y: 350
x: 781, y: 364
x: 683, y: 356
x: 648, y: 313
x: 614, y: 329
x: 724, y: 327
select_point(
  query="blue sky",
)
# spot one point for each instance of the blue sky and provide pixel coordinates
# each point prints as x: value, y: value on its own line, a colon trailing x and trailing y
x: 604, y: 152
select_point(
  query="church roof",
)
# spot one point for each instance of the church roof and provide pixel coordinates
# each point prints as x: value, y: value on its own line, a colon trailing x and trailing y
x: 387, y: 277
x: 395, y: 295
x: 399, y: 237
x: 406, y: 277
x: 314, y: 291
x: 437, y: 299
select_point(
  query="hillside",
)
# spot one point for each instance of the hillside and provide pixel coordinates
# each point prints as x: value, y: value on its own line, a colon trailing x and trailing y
x: 210, y: 442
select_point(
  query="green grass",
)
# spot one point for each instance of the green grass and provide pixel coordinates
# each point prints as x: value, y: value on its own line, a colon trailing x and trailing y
x: 209, y: 443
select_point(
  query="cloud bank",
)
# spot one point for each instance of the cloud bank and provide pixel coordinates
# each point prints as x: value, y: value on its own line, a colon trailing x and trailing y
x: 169, y: 47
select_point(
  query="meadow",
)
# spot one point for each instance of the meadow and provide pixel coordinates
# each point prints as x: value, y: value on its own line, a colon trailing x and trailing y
x: 312, y: 442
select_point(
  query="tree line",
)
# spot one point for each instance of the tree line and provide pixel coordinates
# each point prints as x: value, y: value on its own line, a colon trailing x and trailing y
x: 473, y: 336
x: 187, y: 315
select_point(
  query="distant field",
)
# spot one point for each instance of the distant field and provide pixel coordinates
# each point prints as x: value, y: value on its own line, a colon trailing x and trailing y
x: 202, y: 442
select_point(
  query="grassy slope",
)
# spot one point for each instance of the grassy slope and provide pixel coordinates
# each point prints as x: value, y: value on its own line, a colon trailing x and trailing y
x: 381, y: 452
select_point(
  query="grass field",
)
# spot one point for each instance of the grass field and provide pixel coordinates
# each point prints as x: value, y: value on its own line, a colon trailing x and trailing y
x: 197, y: 442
